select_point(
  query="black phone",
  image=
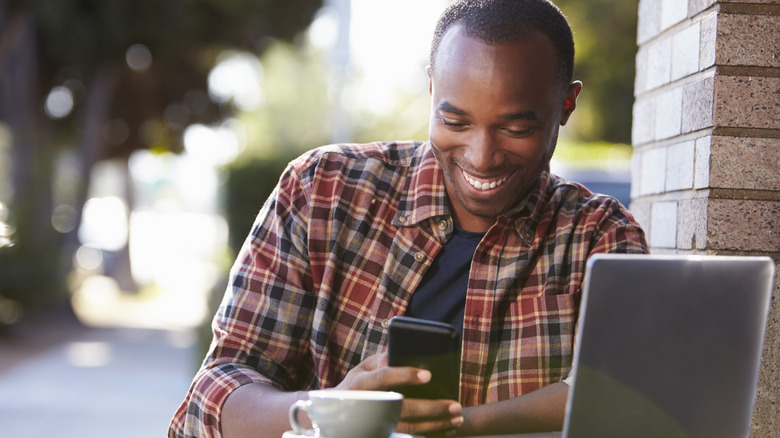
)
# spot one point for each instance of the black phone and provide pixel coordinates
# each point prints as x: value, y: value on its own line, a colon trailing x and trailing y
x: 434, y: 346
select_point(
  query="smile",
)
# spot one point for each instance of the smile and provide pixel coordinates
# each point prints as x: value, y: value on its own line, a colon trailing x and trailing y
x: 484, y: 185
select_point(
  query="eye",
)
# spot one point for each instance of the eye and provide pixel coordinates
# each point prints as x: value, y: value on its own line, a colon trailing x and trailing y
x: 519, y: 132
x: 451, y: 123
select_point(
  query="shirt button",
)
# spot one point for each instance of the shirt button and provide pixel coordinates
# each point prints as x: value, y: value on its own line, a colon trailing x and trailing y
x: 385, y: 323
x: 443, y: 225
x: 402, y: 219
x: 419, y: 257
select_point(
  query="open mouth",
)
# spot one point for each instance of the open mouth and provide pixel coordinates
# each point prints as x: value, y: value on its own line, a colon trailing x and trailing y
x: 482, y: 184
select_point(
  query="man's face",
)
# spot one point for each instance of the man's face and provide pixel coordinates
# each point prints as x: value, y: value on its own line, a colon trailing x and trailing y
x: 495, y: 113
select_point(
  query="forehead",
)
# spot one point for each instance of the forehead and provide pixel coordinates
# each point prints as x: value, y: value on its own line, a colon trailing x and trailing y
x: 524, y: 66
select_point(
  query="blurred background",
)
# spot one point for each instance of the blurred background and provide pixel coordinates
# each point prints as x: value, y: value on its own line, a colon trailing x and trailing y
x: 139, y: 138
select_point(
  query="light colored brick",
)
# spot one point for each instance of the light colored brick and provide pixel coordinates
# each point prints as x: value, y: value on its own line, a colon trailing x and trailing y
x: 748, y: 40
x: 701, y: 177
x: 653, y: 174
x: 685, y: 52
x: 745, y: 163
x: 696, y: 6
x: 659, y: 62
x: 641, y: 212
x: 648, y: 21
x: 708, y: 41
x: 663, y: 225
x: 636, y: 171
x: 746, y: 102
x: 679, y: 166
x: 743, y: 225
x: 673, y: 12
x: 692, y: 224
x: 668, y: 113
x: 697, y: 105
x: 643, y: 125
x: 641, y: 68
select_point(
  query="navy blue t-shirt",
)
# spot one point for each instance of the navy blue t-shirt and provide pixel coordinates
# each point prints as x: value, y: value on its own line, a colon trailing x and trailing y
x: 441, y: 295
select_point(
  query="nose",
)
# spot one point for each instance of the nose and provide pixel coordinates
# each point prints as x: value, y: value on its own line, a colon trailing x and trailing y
x: 482, y: 150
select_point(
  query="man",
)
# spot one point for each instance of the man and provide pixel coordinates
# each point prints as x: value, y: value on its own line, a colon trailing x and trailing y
x: 468, y: 228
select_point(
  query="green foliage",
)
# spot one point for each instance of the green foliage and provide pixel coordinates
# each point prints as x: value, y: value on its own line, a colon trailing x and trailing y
x: 296, y: 113
x: 408, y: 122
x: 31, y: 270
x: 93, y: 32
x: 79, y: 38
x: 248, y: 185
x: 605, y: 41
x: 594, y: 155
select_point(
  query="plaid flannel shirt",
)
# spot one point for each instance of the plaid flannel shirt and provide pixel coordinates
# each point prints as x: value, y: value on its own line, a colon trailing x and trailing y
x: 343, y: 242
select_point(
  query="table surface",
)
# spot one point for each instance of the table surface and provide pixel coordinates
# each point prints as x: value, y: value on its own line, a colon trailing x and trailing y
x: 525, y: 435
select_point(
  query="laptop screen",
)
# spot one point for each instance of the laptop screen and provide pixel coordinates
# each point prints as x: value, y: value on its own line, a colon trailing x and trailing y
x: 668, y: 345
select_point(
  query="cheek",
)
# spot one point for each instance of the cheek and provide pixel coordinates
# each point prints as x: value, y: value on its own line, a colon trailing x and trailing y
x: 442, y: 138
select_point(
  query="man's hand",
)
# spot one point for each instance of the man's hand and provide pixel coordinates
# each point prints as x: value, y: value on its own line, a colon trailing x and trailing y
x: 418, y: 416
x: 424, y: 417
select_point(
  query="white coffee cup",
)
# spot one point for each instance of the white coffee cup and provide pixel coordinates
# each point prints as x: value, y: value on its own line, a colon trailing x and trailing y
x: 348, y: 414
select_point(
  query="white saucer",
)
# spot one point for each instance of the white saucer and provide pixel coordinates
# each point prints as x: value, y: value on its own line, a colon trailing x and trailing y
x: 291, y: 434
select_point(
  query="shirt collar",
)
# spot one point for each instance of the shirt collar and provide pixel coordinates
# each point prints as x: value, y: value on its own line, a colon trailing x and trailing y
x: 424, y: 195
x: 528, y: 212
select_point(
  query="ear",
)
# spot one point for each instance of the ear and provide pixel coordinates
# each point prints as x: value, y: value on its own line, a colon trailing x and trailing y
x: 570, y: 101
x: 430, y: 79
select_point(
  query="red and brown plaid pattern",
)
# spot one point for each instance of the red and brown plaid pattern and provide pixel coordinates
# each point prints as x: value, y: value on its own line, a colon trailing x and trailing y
x: 343, y: 242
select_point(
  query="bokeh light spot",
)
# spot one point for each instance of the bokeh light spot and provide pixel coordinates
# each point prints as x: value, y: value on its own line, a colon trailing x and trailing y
x: 59, y: 102
x: 138, y: 57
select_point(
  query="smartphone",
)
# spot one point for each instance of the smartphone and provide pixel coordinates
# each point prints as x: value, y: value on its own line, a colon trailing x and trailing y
x: 434, y: 346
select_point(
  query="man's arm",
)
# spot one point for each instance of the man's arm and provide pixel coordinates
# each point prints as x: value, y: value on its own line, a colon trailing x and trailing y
x: 259, y: 410
x: 538, y: 411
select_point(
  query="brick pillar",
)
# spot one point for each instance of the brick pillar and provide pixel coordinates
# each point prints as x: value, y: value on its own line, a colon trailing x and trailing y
x: 706, y: 133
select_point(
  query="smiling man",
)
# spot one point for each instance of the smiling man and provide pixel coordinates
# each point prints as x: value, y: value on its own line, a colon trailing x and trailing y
x: 469, y: 228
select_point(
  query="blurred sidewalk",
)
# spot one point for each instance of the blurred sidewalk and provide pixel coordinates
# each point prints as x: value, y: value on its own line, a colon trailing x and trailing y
x: 61, y: 378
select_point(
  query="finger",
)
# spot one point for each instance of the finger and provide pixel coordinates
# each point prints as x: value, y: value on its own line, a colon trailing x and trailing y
x: 374, y: 374
x: 418, y: 409
x: 428, y: 426
x: 425, y: 416
x: 374, y: 362
x: 389, y: 377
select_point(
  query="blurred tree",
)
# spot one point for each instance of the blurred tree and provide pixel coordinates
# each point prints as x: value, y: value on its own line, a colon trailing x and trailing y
x: 135, y: 72
x: 295, y: 114
x: 605, y: 41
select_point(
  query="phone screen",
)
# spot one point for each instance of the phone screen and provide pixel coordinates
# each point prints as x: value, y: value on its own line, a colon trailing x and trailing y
x: 430, y: 345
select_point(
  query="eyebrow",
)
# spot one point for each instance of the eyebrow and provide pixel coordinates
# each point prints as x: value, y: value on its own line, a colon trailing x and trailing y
x: 450, y: 108
x: 519, y: 115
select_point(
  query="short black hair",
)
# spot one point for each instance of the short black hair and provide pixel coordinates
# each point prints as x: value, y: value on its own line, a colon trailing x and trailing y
x: 509, y: 21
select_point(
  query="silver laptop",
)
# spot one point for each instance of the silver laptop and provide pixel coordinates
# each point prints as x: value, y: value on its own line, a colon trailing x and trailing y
x: 668, y: 346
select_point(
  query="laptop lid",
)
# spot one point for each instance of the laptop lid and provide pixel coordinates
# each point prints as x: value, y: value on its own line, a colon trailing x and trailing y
x: 668, y: 346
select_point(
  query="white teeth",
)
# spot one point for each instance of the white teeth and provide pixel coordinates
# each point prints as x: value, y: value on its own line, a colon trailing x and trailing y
x: 484, y: 185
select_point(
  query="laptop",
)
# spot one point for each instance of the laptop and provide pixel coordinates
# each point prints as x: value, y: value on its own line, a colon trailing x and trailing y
x: 668, y: 346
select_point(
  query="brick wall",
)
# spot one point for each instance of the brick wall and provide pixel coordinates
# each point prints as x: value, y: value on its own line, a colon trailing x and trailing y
x: 706, y: 133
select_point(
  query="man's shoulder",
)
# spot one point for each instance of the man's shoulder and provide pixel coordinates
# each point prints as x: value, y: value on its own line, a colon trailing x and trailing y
x: 574, y: 197
x: 579, y: 210
x: 394, y: 153
x: 575, y: 193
